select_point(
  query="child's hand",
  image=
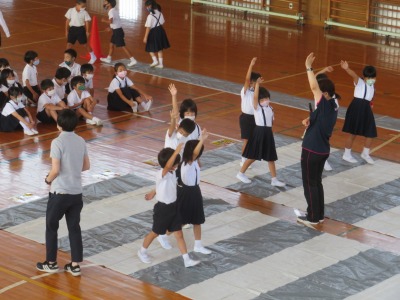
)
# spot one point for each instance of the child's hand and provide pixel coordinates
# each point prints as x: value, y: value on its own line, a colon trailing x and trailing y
x: 172, y: 89
x: 132, y: 103
x: 328, y: 69
x: 179, y: 147
x: 306, y: 122
x: 260, y: 80
x: 309, y: 60
x: 147, y: 97
x: 35, y: 96
x: 204, y: 134
x: 253, y: 61
x: 145, y: 40
x: 108, y: 29
x: 150, y: 195
x: 104, y: 20
x: 344, y: 65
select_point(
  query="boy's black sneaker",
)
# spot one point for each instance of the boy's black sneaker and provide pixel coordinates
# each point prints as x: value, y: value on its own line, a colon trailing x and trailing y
x: 74, y: 270
x: 303, y: 220
x: 47, y: 267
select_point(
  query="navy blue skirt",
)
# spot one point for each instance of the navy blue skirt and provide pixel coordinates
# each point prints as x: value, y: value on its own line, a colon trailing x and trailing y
x: 157, y: 40
x: 360, y: 119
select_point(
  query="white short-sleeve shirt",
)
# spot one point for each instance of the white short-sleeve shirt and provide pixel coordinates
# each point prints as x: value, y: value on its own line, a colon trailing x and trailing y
x: 166, y: 187
x: 88, y: 83
x: 359, y: 90
x: 77, y: 18
x: 30, y: 73
x: 269, y: 116
x: 74, y: 98
x: 113, y: 14
x: 173, y: 142
x: 60, y: 89
x: 189, y: 173
x: 75, y: 69
x: 196, y: 134
x: 152, y: 19
x: 11, y: 107
x: 45, y: 99
x: 247, y: 101
x: 3, y: 89
x: 118, y: 83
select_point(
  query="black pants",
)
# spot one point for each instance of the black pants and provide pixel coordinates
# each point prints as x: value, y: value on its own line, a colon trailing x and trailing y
x: 312, y: 166
x: 58, y: 206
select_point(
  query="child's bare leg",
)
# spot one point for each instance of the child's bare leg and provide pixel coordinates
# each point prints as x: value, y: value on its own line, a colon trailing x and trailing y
x: 246, y: 165
x: 89, y: 105
x: 272, y: 168
x: 181, y: 241
x: 197, y: 232
x: 84, y: 113
x: 53, y: 114
x: 149, y: 239
x: 160, y: 54
x: 350, y: 141
x: 88, y: 48
x: 69, y: 45
x: 111, y: 49
x: 127, y: 52
x: 368, y: 143
x: 244, y: 144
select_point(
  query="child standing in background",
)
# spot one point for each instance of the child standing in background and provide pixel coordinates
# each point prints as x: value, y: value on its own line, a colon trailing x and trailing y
x: 30, y: 77
x: 77, y: 27
x: 118, y: 35
x: 155, y: 38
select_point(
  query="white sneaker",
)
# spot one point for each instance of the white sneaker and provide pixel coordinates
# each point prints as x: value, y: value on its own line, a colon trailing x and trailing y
x: 91, y: 122
x: 93, y: 59
x: 327, y: 166
x: 278, y: 183
x: 349, y: 158
x: 106, y: 60
x: 160, y: 66
x: 243, y: 178
x: 29, y: 132
x: 132, y: 63
x: 164, y: 242
x: 144, y: 257
x: 191, y: 263
x: 135, y: 107
x: 97, y: 121
x: 202, y: 250
x: 155, y: 63
x: 35, y: 131
x: 146, y: 105
x: 367, y: 158
x: 187, y: 226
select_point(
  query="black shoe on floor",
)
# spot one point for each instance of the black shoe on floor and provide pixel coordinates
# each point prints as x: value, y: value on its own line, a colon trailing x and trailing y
x: 47, y: 267
x: 74, y: 270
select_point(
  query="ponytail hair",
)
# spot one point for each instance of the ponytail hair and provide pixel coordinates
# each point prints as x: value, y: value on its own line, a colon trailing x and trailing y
x: 153, y: 5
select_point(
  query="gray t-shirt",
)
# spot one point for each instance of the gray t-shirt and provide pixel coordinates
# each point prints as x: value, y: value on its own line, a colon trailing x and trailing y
x: 70, y: 149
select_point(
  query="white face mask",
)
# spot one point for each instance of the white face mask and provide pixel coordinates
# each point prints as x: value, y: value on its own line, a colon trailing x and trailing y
x: 89, y: 76
x: 122, y: 74
x: 10, y: 81
x: 19, y: 99
x: 51, y: 93
x: 265, y: 103
x: 370, y: 82
x: 36, y: 62
x: 190, y: 117
x: 179, y: 135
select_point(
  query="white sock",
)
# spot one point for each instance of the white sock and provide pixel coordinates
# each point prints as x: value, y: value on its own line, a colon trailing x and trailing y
x: 185, y: 257
x: 154, y: 58
x: 26, y: 128
x: 132, y: 58
x: 273, y: 179
x: 366, y: 151
x: 143, y: 250
x: 92, y: 54
x: 109, y: 57
x: 243, y: 159
x: 160, y: 60
x: 347, y: 152
x: 197, y: 244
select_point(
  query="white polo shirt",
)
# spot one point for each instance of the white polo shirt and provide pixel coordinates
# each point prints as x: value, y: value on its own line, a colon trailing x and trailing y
x: 151, y: 20
x: 359, y: 90
x: 247, y: 101
x: 118, y: 83
x: 189, y: 173
x: 60, y: 89
x: 11, y: 107
x: 166, y: 187
x: 45, y: 99
x: 269, y: 116
x: 77, y: 18
x: 74, y: 98
x: 30, y: 73
x: 113, y: 14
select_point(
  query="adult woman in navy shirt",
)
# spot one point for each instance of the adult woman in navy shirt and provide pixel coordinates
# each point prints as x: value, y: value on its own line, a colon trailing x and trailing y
x: 316, y: 145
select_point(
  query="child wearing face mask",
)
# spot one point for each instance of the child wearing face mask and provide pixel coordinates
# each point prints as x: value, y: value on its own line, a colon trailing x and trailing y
x: 359, y: 118
x: 261, y: 145
x: 7, y: 80
x: 15, y: 115
x: 77, y: 27
x: 87, y: 71
x: 123, y: 95
x: 155, y: 38
x: 60, y: 81
x: 30, y: 77
x: 4, y: 64
x: 81, y: 102
x: 49, y: 103
x: 70, y: 56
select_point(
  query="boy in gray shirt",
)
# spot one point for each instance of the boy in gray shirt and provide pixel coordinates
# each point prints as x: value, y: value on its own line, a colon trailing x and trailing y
x: 69, y: 158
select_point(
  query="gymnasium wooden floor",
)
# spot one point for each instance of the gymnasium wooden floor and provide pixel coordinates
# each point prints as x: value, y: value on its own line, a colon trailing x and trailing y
x: 216, y: 47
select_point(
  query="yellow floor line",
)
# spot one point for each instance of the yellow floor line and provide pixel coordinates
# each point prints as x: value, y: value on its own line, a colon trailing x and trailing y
x: 385, y: 143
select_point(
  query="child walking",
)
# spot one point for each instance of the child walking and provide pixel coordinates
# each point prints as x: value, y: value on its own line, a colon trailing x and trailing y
x: 69, y: 158
x: 261, y: 145
x: 166, y: 217
x: 190, y: 200
x: 77, y: 27
x: 118, y: 35
x: 359, y: 118
x: 30, y: 77
x: 155, y: 38
x: 246, y: 119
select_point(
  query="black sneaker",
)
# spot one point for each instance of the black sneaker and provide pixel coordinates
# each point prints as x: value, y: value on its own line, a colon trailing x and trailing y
x: 47, y: 267
x: 303, y: 220
x: 75, y: 271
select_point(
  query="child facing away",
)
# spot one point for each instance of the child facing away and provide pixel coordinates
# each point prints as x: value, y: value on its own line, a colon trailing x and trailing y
x: 123, y: 95
x: 30, y: 77
x: 70, y: 56
x: 359, y: 118
x: 81, y: 102
x: 190, y: 200
x: 166, y: 217
x: 246, y: 119
x: 49, y: 103
x: 60, y: 81
x: 261, y: 145
x: 15, y: 115
x: 118, y: 35
x: 87, y: 71
x: 77, y: 27
x: 155, y: 37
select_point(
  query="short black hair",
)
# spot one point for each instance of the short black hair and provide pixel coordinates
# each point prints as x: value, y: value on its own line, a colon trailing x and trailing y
x: 188, y: 125
x: 327, y: 86
x: 80, y: 1
x: 154, y: 5
x: 46, y: 83
x: 77, y: 79
x: 165, y: 154
x: 4, y: 75
x: 187, y: 105
x: 14, y: 91
x: 113, y: 3
x: 4, y: 62
x: 254, y: 76
x: 67, y: 119
x: 189, y: 149
x: 86, y: 68
x: 321, y: 76
x: 263, y: 93
x: 29, y: 56
x: 62, y: 73
x: 71, y: 52
x: 369, y: 72
x: 117, y: 65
